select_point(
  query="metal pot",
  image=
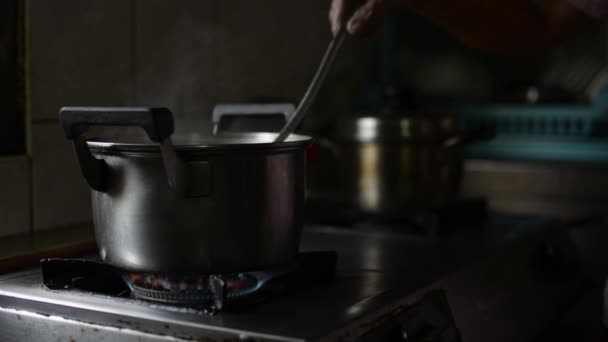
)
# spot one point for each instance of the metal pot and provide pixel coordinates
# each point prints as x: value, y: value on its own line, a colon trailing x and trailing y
x: 225, y: 203
x: 392, y: 164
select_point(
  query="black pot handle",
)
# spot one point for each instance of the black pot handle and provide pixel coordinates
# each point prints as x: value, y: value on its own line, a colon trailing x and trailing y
x: 228, y: 109
x: 157, y: 122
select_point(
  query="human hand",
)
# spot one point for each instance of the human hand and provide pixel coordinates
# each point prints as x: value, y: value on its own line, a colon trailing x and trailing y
x: 358, y: 16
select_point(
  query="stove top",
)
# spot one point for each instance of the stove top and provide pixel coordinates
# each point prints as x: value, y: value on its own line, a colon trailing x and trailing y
x: 388, y: 283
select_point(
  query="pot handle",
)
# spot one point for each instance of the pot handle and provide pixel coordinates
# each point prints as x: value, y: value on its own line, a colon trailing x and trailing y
x: 156, y: 122
x: 221, y: 110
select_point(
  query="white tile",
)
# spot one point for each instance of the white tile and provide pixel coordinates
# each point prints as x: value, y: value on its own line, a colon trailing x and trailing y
x: 80, y: 54
x: 61, y: 197
x: 15, y: 195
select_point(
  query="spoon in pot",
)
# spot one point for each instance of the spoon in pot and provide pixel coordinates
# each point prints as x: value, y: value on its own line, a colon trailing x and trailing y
x: 315, y: 85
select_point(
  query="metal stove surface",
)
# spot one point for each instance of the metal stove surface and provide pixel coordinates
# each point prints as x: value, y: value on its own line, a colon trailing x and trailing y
x: 379, y: 270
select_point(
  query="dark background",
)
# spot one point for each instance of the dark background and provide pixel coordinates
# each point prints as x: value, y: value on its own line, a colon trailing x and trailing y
x: 12, y: 108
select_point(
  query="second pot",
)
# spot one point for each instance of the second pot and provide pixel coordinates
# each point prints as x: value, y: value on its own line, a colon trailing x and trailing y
x: 392, y: 164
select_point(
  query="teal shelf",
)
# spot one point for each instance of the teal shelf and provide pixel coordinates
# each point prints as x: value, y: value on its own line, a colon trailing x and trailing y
x: 525, y: 148
x: 538, y: 132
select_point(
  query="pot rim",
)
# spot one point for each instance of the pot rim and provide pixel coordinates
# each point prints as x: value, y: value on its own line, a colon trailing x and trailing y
x: 230, y: 141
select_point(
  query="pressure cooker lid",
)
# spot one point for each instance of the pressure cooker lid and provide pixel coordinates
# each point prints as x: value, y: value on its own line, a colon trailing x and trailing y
x: 138, y: 141
x: 410, y: 128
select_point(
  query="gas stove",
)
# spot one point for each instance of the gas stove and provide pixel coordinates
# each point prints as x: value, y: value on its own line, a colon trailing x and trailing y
x: 501, y: 279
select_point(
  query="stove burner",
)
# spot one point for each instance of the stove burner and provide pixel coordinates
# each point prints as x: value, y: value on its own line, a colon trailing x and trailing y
x: 207, y: 292
x: 196, y: 289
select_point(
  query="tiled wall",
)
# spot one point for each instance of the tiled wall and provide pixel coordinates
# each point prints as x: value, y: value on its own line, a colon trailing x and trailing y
x: 192, y: 54
x: 80, y: 54
x: 15, y: 198
x: 184, y: 54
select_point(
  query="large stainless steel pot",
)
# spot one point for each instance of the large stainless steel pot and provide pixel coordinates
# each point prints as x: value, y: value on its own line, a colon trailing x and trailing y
x: 392, y: 164
x: 225, y: 203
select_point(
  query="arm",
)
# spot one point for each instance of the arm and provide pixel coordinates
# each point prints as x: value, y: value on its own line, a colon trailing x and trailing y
x: 499, y: 26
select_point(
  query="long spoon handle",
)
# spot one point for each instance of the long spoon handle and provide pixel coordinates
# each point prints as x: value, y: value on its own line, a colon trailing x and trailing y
x: 315, y: 85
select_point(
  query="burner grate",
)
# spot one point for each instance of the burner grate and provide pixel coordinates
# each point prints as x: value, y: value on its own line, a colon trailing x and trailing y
x: 196, y: 290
